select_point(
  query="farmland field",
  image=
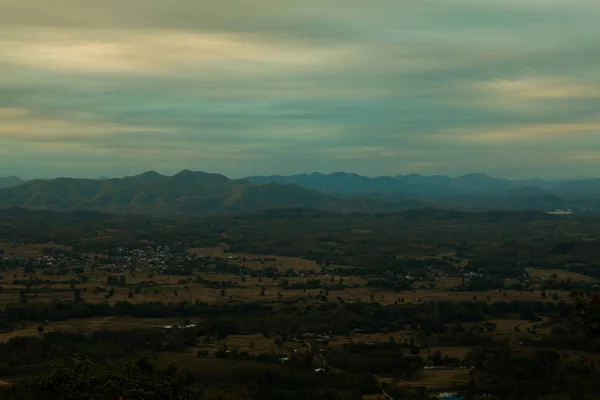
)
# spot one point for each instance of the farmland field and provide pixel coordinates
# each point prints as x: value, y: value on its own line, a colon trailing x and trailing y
x: 406, y: 316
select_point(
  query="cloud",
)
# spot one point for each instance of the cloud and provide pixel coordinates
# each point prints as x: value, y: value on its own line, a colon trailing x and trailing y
x: 155, y: 52
x: 12, y: 112
x: 532, y: 132
x: 239, y: 87
x: 17, y: 124
x: 540, y: 88
x: 583, y: 156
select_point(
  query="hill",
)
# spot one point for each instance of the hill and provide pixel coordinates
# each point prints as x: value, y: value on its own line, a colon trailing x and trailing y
x: 10, y: 181
x: 199, y: 193
x: 347, y: 184
x: 472, y: 191
x: 184, y: 193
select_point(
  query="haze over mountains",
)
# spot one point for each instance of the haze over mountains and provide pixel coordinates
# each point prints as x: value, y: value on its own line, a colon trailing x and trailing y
x: 198, y: 193
x: 184, y: 193
x: 346, y: 184
x: 10, y: 181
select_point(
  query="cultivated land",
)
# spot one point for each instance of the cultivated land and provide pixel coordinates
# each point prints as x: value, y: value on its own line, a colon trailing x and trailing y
x: 416, y: 304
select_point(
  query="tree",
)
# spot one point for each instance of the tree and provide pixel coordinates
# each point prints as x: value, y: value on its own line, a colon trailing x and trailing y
x: 22, y: 297
x: 589, y: 312
x: 436, y: 357
x: 134, y: 379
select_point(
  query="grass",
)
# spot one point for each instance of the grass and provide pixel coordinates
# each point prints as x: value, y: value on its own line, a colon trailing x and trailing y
x: 432, y: 379
x: 87, y: 325
x: 11, y: 249
x: 562, y: 274
x: 297, y: 264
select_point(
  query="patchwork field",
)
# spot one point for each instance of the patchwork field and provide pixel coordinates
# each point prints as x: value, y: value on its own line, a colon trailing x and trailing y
x: 225, y: 282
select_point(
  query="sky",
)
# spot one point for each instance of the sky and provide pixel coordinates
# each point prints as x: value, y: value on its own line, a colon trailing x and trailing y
x: 93, y: 88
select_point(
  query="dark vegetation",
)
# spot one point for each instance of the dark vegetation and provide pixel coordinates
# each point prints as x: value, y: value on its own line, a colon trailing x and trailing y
x: 198, y: 193
x: 393, y: 255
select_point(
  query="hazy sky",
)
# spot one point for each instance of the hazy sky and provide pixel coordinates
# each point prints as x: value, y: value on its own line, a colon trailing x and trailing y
x: 379, y: 87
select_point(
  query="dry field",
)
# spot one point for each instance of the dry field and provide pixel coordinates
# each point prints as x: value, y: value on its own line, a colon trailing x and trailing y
x: 447, y: 283
x: 26, y: 250
x: 87, y: 325
x: 538, y: 273
x: 495, y: 295
x: 171, y: 288
x: 298, y: 264
x: 431, y: 379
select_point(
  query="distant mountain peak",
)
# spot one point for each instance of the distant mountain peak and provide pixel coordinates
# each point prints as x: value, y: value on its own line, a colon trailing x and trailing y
x: 148, y: 176
x: 479, y: 175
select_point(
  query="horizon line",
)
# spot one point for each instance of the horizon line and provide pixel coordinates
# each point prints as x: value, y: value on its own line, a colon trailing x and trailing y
x: 102, y: 177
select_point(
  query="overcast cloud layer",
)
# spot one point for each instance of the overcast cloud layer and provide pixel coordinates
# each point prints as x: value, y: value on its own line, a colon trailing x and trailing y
x: 241, y: 87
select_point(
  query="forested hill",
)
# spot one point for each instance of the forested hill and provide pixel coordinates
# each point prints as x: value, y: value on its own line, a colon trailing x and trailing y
x: 475, y: 184
x: 184, y: 193
x: 199, y: 193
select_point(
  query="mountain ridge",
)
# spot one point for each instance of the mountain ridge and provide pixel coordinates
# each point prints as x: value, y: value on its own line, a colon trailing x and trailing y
x: 186, y: 192
x: 200, y: 193
x: 345, y: 184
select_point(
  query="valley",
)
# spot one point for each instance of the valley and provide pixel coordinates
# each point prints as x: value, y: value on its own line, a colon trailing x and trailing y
x: 421, y: 299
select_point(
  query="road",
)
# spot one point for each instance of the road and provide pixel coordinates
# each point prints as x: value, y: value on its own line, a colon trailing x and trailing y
x: 387, y: 396
x: 322, y: 358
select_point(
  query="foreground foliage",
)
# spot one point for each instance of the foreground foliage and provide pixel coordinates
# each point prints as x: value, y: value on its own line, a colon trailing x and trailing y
x: 136, y: 379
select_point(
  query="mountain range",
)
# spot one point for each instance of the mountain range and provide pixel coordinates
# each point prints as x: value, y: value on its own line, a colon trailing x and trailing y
x: 184, y: 193
x: 345, y: 184
x: 199, y: 193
